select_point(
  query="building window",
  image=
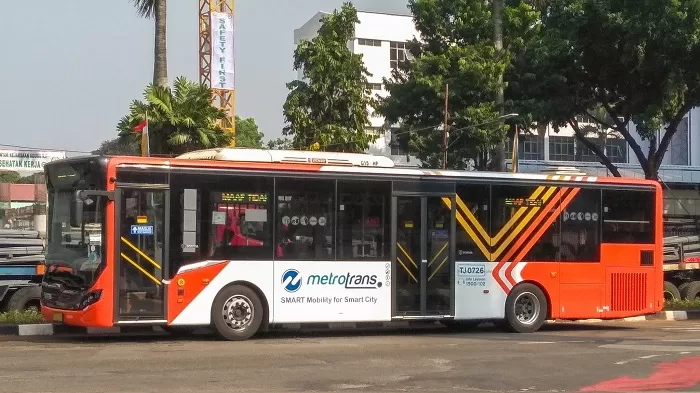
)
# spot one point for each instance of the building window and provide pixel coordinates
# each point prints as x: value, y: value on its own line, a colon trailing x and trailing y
x: 374, y: 86
x: 561, y: 148
x: 363, y: 220
x: 678, y: 150
x: 305, y: 223
x: 530, y: 147
x: 397, y: 53
x: 368, y: 42
x: 399, y: 142
x: 616, y: 149
x: 583, y: 153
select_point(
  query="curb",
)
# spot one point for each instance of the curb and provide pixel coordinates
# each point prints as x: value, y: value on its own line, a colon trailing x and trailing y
x: 660, y: 316
x: 48, y: 329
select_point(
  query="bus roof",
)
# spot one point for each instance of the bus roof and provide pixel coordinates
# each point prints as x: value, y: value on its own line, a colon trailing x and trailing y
x: 344, y: 163
x: 290, y: 157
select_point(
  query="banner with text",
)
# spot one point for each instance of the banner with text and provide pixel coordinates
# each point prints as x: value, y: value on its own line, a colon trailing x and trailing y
x: 307, y: 291
x: 222, y: 64
x: 27, y: 160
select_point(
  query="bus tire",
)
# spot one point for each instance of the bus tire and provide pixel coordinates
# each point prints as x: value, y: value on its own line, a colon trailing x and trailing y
x: 690, y: 291
x: 25, y: 299
x: 671, y: 292
x: 236, y: 313
x: 526, y: 308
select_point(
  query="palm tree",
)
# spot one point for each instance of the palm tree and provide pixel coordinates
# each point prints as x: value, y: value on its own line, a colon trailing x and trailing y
x: 157, y: 9
x: 180, y: 119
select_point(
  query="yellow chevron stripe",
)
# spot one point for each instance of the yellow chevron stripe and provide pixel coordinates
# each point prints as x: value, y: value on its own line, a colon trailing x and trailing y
x: 406, y: 254
x: 468, y: 229
x: 525, y: 222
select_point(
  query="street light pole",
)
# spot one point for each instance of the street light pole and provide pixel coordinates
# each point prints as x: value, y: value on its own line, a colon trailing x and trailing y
x: 444, y: 129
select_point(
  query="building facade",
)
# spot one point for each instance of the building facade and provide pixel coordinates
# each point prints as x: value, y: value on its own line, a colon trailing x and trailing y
x: 381, y: 39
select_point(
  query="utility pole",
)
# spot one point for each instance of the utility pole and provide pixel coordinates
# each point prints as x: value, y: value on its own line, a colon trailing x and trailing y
x: 444, y: 129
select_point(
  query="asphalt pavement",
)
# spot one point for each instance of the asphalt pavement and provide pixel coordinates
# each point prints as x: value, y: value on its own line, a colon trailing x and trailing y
x: 562, y: 357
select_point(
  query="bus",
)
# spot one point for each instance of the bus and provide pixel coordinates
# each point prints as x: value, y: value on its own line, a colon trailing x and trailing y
x: 245, y: 240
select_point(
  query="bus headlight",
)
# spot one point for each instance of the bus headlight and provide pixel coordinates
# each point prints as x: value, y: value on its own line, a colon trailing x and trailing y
x: 90, y: 298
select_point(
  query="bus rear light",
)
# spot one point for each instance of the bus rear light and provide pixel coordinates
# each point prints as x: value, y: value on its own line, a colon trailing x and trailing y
x: 90, y: 298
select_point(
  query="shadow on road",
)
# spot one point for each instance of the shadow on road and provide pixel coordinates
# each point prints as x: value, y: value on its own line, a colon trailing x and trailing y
x: 485, y: 331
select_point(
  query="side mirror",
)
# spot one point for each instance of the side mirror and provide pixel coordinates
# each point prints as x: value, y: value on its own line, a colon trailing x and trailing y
x: 76, y: 209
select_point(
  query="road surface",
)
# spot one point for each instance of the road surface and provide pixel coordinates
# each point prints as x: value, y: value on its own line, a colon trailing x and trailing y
x: 568, y: 357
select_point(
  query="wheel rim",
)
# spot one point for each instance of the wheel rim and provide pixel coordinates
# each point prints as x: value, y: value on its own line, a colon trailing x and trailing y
x: 527, y: 308
x: 238, y: 312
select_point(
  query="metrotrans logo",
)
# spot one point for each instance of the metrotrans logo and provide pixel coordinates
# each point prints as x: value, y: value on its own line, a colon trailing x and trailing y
x: 292, y: 280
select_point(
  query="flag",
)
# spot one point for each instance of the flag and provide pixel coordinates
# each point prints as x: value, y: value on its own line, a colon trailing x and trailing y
x: 143, y: 129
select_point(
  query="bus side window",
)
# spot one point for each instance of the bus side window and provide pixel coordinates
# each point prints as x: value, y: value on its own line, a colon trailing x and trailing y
x: 579, y: 237
x: 363, y: 220
x: 304, y: 219
x: 476, y: 199
x: 240, y: 226
x: 628, y: 216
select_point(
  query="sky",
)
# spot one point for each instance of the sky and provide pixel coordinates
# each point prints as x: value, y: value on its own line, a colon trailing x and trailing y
x: 70, y: 69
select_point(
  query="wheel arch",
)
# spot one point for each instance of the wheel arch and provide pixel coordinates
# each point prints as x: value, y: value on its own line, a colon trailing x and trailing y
x: 265, y: 325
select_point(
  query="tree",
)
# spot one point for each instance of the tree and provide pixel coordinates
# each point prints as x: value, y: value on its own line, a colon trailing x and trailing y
x: 180, y: 119
x: 456, y: 48
x: 637, y: 60
x: 248, y: 134
x: 157, y: 9
x: 280, y: 144
x: 118, y: 147
x: 330, y: 107
x: 10, y: 177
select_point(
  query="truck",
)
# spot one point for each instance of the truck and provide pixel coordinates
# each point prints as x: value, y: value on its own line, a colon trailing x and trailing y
x: 22, y: 267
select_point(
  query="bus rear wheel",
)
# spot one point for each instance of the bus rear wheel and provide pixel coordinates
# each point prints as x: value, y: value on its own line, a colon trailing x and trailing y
x: 526, y: 308
x: 236, y: 313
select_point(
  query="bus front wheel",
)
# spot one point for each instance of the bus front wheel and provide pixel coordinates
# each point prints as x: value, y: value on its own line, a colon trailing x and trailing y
x: 236, y: 313
x: 526, y: 308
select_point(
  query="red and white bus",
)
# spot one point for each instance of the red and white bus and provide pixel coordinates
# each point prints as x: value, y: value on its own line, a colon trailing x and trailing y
x: 243, y: 240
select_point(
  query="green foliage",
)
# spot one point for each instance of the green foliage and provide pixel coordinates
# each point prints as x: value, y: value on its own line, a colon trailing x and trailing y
x: 456, y: 50
x: 118, y: 147
x: 15, y: 178
x: 637, y: 60
x: 10, y: 177
x: 330, y: 107
x: 21, y: 317
x: 145, y: 8
x: 280, y: 144
x: 248, y: 134
x: 181, y: 119
x: 682, y: 305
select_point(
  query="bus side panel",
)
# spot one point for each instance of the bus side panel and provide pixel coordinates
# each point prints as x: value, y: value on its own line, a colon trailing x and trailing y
x: 630, y: 289
x: 341, y: 291
x: 546, y: 276
x: 201, y: 282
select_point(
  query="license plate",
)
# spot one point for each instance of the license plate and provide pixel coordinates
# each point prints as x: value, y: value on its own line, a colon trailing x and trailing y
x: 57, y: 317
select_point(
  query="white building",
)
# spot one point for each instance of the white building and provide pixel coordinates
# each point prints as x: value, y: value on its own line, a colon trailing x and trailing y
x: 381, y: 38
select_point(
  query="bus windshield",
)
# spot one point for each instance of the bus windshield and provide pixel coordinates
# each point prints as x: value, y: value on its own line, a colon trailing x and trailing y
x: 74, y: 254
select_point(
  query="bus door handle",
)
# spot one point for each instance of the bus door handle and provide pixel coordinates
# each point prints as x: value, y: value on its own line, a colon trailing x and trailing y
x: 423, y: 261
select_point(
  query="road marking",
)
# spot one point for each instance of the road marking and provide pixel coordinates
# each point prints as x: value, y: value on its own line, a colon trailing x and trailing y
x: 645, y: 357
x: 537, y: 342
x: 653, y: 348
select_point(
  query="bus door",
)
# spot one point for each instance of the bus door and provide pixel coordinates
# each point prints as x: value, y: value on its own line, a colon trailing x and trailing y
x: 423, y: 255
x: 141, y: 251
